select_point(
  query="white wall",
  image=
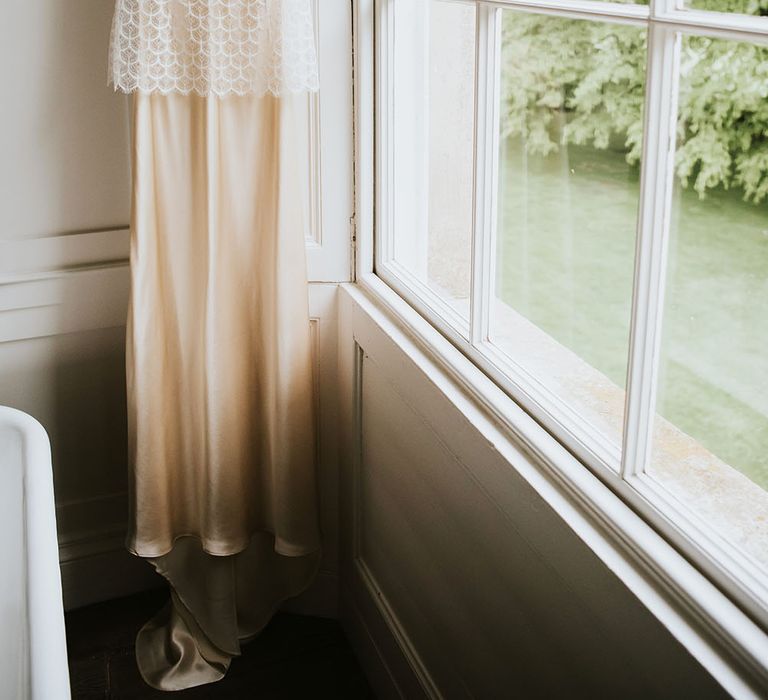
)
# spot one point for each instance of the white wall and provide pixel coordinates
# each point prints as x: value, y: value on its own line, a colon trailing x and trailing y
x: 64, y: 278
x: 63, y: 134
x: 64, y: 200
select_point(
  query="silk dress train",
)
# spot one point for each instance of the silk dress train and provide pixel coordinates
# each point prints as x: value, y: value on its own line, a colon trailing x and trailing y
x: 220, y: 386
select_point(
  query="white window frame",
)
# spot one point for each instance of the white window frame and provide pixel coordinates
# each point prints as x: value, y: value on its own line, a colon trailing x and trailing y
x: 666, y: 21
x: 329, y: 148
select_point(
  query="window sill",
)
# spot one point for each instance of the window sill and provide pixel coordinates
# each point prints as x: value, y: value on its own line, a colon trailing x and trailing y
x: 703, y: 619
x: 729, y: 503
x: 584, y: 410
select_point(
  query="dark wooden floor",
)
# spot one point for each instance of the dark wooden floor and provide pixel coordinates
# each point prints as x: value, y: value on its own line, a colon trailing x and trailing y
x: 294, y: 657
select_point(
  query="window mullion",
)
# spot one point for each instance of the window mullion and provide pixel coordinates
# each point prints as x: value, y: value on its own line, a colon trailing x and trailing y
x: 651, y: 246
x: 487, y: 104
x: 384, y: 99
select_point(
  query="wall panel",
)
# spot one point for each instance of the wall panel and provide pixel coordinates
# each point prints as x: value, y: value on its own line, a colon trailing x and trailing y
x: 484, y: 589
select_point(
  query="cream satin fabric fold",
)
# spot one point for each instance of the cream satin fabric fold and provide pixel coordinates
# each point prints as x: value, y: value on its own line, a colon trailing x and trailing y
x: 220, y: 387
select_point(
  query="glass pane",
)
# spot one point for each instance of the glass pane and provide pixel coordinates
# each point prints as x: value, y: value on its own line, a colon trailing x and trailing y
x: 571, y: 129
x: 711, y: 434
x: 434, y: 57
x: 743, y: 7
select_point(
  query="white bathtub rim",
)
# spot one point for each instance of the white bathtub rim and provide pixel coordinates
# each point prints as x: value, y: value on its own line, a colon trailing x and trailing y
x: 47, y: 653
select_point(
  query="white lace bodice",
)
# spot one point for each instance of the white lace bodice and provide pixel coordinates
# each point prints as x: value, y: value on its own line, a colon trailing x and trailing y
x: 219, y: 47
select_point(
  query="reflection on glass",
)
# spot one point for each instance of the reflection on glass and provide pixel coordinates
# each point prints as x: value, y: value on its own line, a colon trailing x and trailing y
x: 711, y: 435
x: 433, y: 131
x: 743, y: 7
x: 571, y: 128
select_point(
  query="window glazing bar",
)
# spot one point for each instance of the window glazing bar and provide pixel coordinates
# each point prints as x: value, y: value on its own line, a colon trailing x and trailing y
x: 487, y: 105
x: 384, y: 98
x: 724, y: 24
x: 717, y: 24
x: 657, y: 172
x: 584, y: 9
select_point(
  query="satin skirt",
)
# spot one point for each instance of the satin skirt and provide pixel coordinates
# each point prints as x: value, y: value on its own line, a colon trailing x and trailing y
x: 219, y: 369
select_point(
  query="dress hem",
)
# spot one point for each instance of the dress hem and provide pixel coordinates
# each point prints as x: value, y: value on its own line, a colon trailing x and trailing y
x: 282, y: 547
x: 242, y: 639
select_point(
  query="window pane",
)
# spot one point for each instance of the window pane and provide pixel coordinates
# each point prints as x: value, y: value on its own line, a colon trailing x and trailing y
x: 744, y: 7
x: 571, y: 130
x: 434, y: 60
x: 711, y: 434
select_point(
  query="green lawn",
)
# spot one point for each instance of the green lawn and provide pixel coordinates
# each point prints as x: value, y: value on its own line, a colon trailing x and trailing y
x: 566, y: 255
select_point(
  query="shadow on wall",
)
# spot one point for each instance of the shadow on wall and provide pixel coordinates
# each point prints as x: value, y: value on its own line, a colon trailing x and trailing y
x: 89, y: 434
x: 64, y: 169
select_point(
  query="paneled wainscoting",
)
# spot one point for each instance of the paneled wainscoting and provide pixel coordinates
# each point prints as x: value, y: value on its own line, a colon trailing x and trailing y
x: 63, y: 305
x: 466, y: 569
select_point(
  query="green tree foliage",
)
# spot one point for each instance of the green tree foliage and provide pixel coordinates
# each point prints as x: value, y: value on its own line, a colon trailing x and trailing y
x: 579, y: 82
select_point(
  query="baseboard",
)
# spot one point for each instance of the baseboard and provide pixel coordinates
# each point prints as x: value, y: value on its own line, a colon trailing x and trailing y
x: 389, y: 659
x: 95, y: 565
x: 98, y: 568
x: 369, y: 655
x: 104, y: 575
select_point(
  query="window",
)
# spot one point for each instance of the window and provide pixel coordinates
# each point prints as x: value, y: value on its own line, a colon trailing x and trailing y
x: 432, y: 126
x: 575, y: 192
